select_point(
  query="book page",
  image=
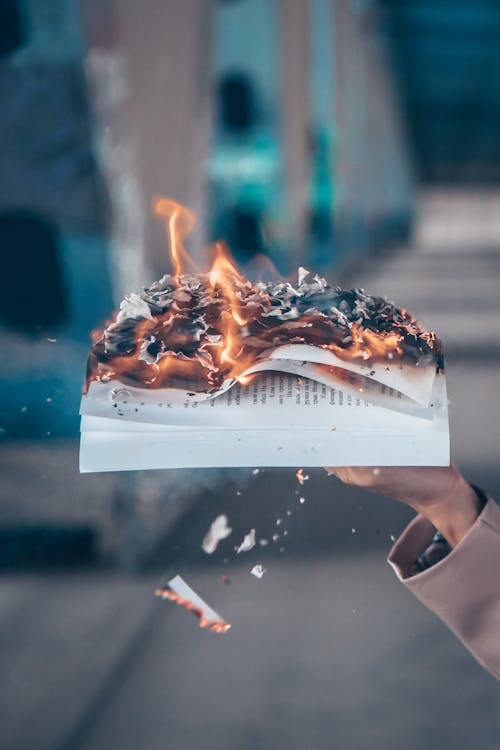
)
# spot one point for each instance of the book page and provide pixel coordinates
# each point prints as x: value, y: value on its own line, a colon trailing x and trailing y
x: 270, y: 400
x: 411, y: 380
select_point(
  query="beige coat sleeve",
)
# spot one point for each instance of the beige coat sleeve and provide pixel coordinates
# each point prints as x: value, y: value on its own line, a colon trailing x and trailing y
x: 463, y: 589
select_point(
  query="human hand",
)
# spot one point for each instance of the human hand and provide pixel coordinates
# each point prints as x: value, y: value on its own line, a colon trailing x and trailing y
x: 441, y: 494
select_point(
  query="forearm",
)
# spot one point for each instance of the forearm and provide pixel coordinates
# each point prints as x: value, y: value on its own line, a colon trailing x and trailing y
x: 462, y: 588
x: 452, y: 513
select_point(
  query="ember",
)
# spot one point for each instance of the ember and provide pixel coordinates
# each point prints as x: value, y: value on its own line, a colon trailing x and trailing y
x: 197, y: 331
x: 301, y: 476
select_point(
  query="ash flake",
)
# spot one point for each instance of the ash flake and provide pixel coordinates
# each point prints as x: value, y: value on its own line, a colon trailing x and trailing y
x: 218, y: 530
x: 258, y: 571
x: 248, y: 542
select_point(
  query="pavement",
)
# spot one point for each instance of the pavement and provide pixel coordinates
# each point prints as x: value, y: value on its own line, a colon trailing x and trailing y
x: 327, y: 650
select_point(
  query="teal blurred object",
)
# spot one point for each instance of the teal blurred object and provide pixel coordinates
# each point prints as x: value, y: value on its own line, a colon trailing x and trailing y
x: 321, y: 194
x: 356, y: 192
x: 446, y: 58
x: 42, y: 378
x: 56, y: 285
x: 23, y: 546
x: 245, y: 170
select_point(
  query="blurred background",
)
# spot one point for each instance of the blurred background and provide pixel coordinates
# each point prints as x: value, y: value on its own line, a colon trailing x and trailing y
x: 359, y: 138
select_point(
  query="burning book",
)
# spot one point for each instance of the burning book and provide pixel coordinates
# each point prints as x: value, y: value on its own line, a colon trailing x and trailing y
x: 211, y: 369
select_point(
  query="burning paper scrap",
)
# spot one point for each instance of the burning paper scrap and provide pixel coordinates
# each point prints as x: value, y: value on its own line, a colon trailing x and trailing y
x: 258, y: 571
x: 178, y: 591
x: 301, y: 476
x: 218, y: 530
x: 248, y: 542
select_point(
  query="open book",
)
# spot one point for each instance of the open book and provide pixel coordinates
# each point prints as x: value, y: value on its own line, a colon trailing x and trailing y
x: 300, y: 405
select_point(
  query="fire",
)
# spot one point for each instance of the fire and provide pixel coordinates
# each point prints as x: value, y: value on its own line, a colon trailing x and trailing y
x: 228, y: 284
x: 179, y: 223
x: 204, y: 328
x: 214, y: 626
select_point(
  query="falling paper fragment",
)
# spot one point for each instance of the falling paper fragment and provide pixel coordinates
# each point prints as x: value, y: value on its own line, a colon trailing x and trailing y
x: 258, y: 571
x: 178, y: 591
x: 218, y: 530
x: 301, y: 476
x: 248, y: 542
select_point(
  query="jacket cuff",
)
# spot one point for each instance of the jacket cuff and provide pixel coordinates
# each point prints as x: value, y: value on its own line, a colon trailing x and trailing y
x: 463, y: 589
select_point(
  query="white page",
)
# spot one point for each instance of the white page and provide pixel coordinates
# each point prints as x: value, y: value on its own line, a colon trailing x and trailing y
x: 411, y: 380
x: 270, y: 400
x: 115, y: 401
x: 224, y: 447
x: 354, y: 438
x: 412, y: 385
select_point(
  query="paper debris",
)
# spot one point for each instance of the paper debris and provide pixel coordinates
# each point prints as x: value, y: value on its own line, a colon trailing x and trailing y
x: 218, y: 530
x: 258, y: 571
x: 178, y: 591
x: 301, y: 476
x: 248, y: 542
x: 133, y: 306
x: 302, y: 274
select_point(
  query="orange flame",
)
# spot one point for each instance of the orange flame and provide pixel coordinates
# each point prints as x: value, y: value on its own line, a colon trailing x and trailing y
x: 179, y: 223
x: 228, y: 284
x: 235, y: 332
x: 215, y: 627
